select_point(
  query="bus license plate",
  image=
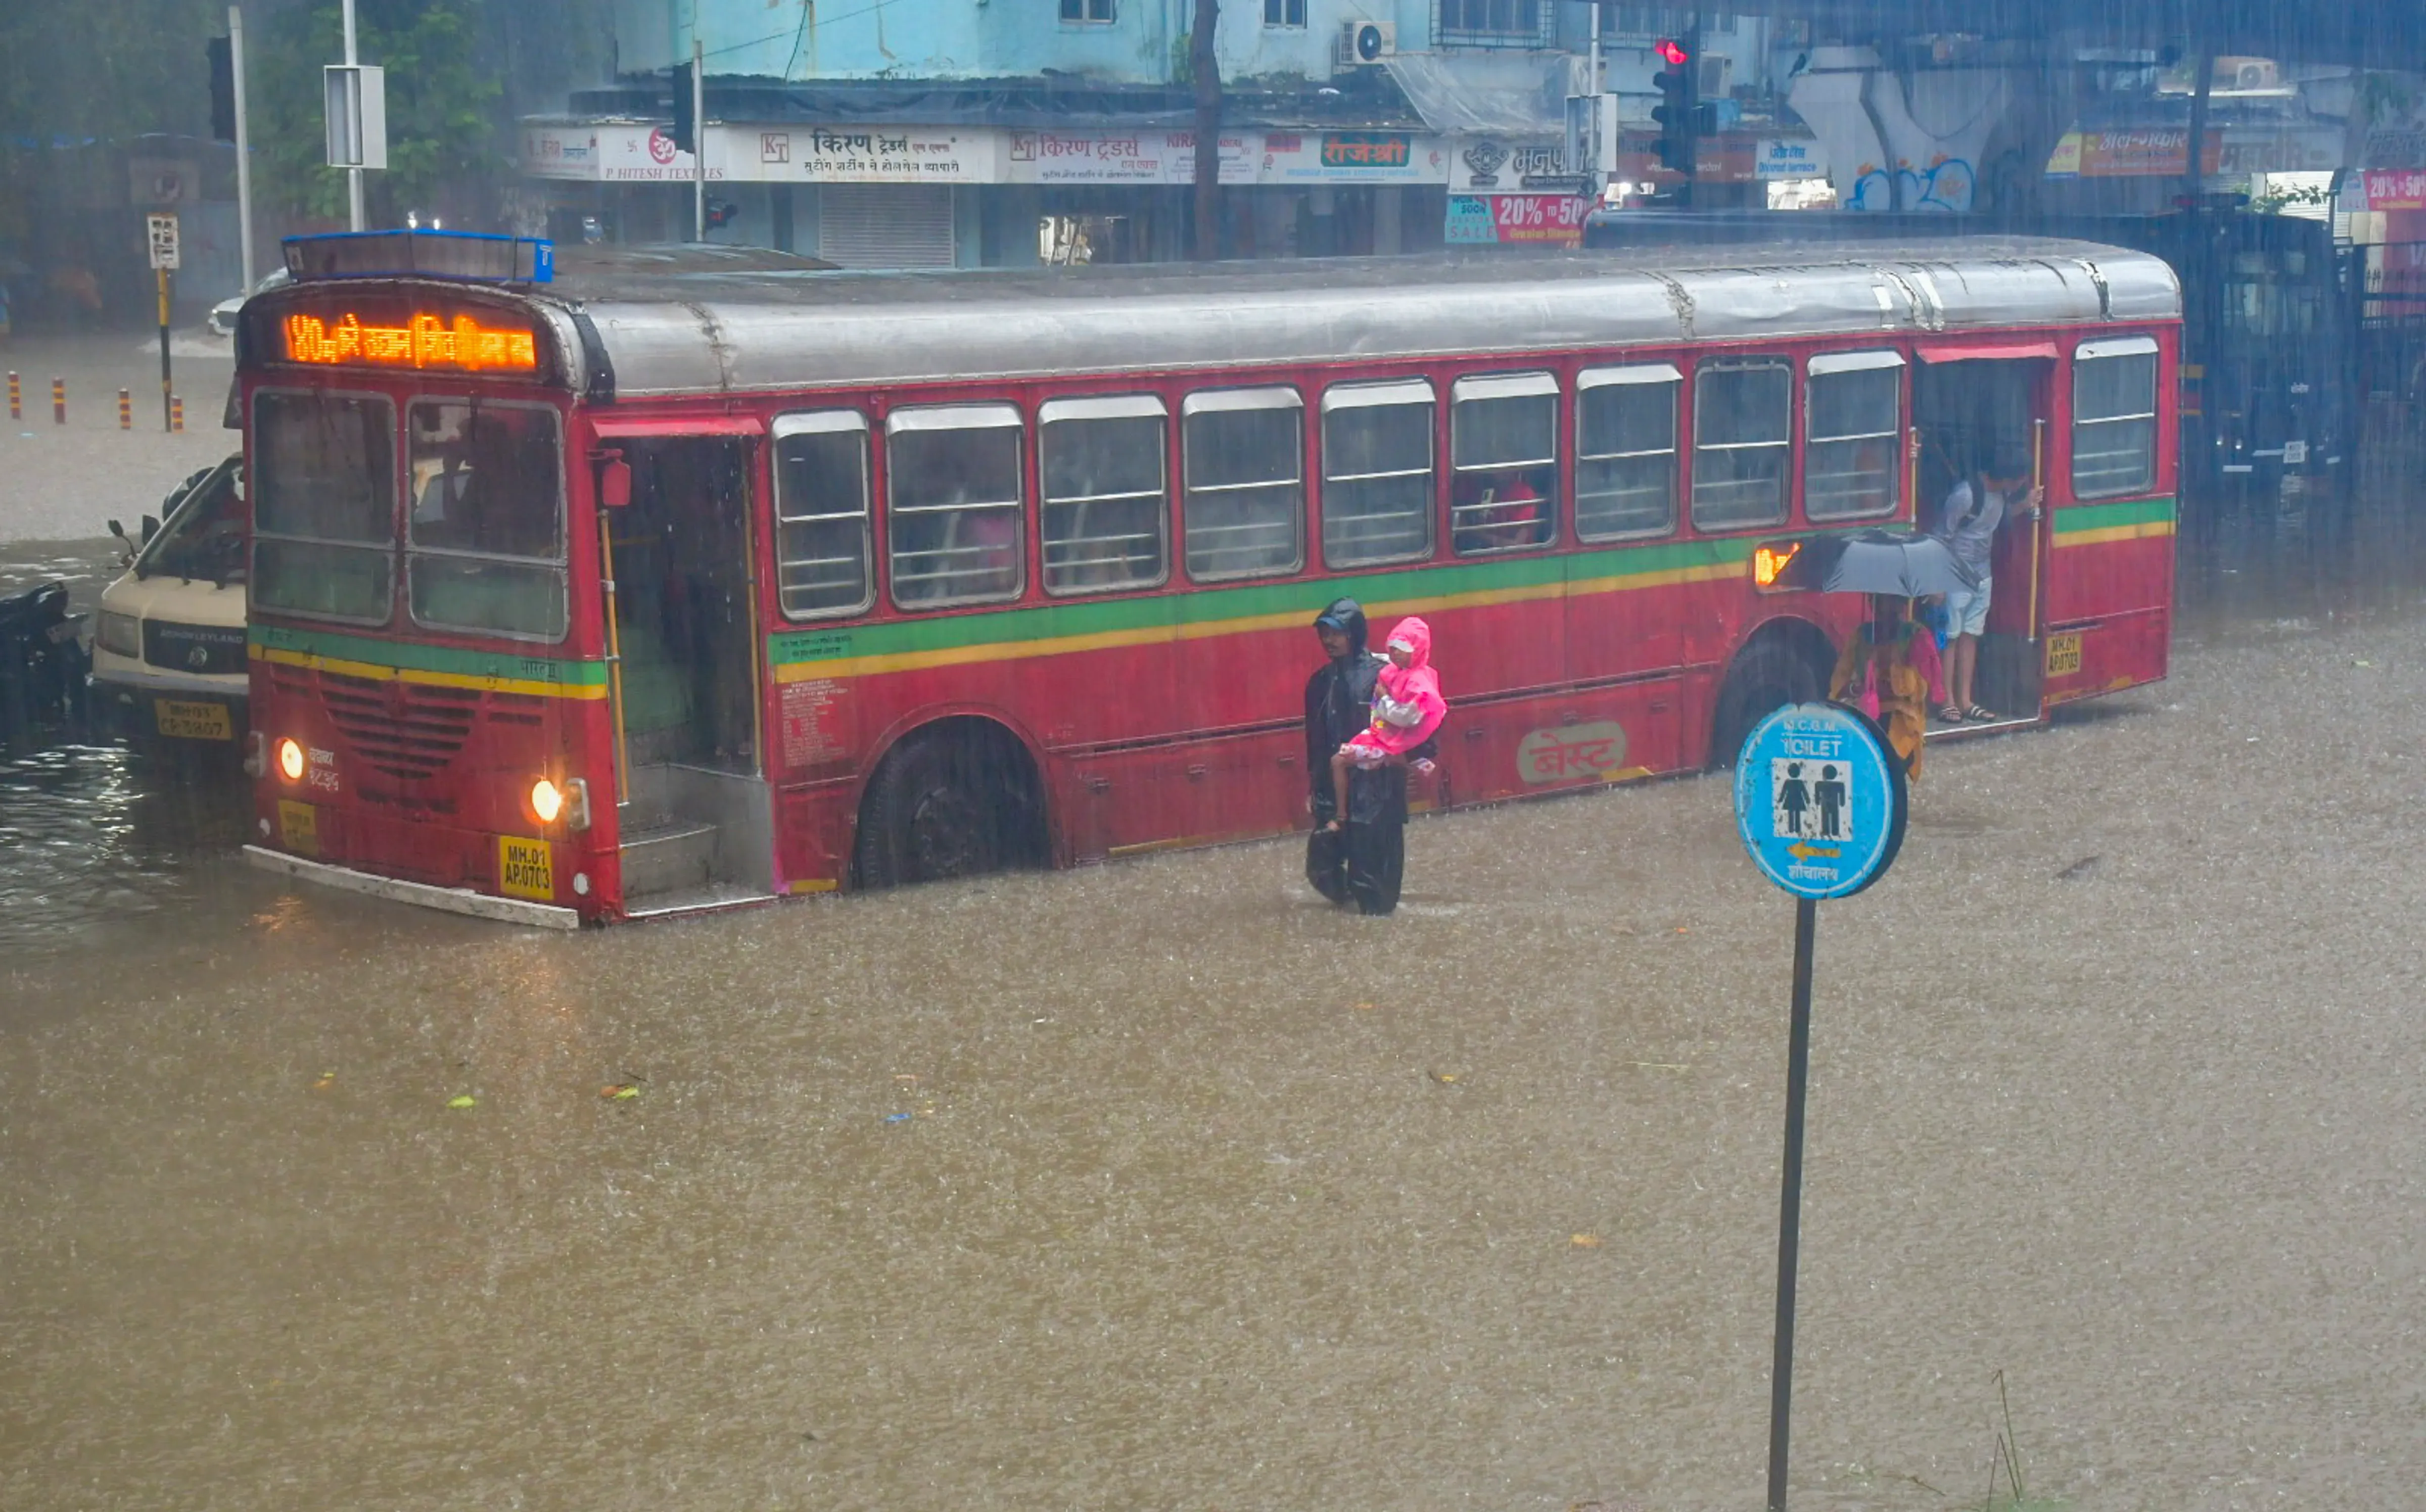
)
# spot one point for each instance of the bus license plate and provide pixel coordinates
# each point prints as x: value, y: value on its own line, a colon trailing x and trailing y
x: 526, y: 868
x: 2064, y: 654
x: 192, y: 721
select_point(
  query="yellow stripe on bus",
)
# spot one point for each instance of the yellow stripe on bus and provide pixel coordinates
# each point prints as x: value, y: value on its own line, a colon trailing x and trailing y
x: 2145, y: 531
x: 374, y: 673
x: 911, y: 661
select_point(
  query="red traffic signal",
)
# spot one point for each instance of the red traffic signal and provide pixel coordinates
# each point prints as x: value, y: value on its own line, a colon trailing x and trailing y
x: 1671, y: 53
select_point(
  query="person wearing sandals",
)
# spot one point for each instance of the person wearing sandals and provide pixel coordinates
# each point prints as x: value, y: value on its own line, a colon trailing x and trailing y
x: 1967, y: 522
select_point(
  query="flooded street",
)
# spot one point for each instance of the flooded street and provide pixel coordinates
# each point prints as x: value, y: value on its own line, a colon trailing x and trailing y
x: 1160, y: 1185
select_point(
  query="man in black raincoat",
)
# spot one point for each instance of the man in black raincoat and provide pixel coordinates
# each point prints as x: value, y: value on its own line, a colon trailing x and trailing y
x: 1364, y: 861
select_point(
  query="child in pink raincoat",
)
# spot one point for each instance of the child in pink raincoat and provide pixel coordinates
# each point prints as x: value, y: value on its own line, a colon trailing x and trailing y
x: 1407, y: 708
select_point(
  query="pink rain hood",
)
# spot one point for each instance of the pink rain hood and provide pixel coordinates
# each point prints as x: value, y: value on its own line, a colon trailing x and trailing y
x: 1415, y: 683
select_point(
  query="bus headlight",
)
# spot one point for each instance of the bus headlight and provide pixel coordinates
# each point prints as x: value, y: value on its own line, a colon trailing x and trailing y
x: 290, y: 758
x: 121, y: 634
x: 568, y: 800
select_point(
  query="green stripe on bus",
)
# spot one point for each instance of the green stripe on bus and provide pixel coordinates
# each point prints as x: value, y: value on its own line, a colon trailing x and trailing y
x: 407, y: 656
x: 1055, y: 621
x: 2072, y: 518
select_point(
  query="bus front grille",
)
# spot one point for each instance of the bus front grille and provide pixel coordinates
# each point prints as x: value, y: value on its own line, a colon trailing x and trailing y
x: 405, y: 729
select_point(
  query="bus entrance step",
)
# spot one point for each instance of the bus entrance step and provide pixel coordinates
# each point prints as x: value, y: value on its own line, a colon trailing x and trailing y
x: 673, y: 857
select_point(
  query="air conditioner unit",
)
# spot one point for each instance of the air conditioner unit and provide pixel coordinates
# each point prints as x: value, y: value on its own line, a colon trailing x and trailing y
x: 1363, y: 43
x: 1718, y: 77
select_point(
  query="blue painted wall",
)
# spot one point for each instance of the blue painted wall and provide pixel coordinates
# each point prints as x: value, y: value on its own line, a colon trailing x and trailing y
x: 987, y: 39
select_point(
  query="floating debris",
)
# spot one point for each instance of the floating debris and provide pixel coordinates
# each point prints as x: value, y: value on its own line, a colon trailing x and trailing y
x: 463, y: 1101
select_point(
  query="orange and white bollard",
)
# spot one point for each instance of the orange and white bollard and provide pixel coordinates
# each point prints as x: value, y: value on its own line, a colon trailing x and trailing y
x: 58, y: 401
x: 126, y: 410
x: 176, y: 413
x: 16, y: 398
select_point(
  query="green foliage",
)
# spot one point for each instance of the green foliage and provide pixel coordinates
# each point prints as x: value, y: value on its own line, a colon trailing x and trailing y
x: 443, y: 106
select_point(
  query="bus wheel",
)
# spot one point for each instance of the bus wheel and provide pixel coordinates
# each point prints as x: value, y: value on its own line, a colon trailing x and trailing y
x: 949, y: 804
x: 1785, y: 666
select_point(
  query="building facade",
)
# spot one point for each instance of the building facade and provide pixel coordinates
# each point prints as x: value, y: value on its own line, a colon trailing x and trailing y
x: 999, y: 133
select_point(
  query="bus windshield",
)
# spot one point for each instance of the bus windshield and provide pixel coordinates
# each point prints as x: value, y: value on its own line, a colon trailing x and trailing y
x: 324, y: 504
x: 486, y: 535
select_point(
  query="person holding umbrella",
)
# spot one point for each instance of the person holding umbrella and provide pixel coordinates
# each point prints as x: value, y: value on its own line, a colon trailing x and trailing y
x: 1890, y: 671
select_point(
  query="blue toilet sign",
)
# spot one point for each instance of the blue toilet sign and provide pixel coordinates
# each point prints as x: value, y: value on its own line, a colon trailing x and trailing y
x: 1820, y: 799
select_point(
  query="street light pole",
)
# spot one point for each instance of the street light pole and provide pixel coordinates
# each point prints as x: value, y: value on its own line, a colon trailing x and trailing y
x: 698, y: 133
x: 353, y: 175
x: 243, y: 161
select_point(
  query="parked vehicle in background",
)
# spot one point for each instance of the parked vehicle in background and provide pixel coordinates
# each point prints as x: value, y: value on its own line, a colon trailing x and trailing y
x: 169, y: 643
x: 223, y: 314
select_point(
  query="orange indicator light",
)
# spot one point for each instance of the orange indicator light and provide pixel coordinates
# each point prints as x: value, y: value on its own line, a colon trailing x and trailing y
x: 424, y: 341
x: 1769, y: 563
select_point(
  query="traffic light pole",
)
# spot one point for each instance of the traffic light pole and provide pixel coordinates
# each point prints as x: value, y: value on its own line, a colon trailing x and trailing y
x: 243, y: 158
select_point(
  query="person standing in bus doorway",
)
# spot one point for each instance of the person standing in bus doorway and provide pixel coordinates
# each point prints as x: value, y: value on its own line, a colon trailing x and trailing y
x: 1967, y: 522
x: 1365, y: 860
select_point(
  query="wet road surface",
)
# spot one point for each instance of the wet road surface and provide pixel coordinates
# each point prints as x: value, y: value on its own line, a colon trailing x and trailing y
x: 1162, y: 1186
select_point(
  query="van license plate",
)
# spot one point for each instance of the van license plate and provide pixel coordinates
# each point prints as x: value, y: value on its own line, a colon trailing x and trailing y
x: 192, y: 721
x: 2064, y: 654
x: 526, y: 868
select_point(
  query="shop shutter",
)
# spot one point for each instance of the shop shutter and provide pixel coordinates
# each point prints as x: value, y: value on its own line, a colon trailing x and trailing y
x: 886, y: 225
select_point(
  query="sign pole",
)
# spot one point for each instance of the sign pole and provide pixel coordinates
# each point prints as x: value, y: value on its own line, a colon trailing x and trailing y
x: 1789, y: 1202
x: 1821, y: 804
x: 163, y: 275
x: 354, y: 174
x: 698, y: 133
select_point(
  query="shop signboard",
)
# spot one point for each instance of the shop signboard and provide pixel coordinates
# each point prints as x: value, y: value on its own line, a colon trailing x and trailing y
x: 1515, y: 221
x: 1121, y: 157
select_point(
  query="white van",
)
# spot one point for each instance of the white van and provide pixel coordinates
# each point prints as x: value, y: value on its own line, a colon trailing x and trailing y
x: 168, y: 646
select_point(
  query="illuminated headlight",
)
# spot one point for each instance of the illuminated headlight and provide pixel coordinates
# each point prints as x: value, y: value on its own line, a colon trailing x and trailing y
x: 120, y: 634
x: 290, y: 758
x: 568, y: 800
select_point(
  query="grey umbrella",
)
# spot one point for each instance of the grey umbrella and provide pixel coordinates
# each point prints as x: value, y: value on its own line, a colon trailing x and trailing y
x: 1878, y: 561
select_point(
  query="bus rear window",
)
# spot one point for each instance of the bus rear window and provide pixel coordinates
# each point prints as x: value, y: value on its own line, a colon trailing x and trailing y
x: 486, y: 531
x: 1740, y: 440
x: 2114, y: 418
x: 324, y: 504
x: 954, y: 504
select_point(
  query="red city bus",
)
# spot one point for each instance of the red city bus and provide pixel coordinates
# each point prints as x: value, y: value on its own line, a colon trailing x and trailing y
x: 654, y: 591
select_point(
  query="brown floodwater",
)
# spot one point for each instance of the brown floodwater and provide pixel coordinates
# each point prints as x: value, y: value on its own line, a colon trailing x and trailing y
x: 1160, y: 1185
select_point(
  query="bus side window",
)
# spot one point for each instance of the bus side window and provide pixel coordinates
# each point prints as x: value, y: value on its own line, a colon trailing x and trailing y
x: 954, y: 508
x: 1853, y: 419
x: 1625, y: 451
x: 2115, y: 417
x: 1377, y: 472
x: 1243, y: 458
x: 821, y: 513
x: 1105, y: 519
x: 1741, y: 438
x: 1503, y: 457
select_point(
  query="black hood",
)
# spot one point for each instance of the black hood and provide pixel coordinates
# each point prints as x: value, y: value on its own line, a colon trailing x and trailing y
x: 1347, y: 616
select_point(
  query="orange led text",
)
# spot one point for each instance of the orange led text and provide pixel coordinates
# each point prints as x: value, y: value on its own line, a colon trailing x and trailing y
x: 425, y: 341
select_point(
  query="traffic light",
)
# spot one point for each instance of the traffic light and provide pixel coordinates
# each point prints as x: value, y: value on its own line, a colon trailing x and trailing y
x: 686, y: 132
x: 222, y: 89
x: 721, y: 213
x: 1678, y: 107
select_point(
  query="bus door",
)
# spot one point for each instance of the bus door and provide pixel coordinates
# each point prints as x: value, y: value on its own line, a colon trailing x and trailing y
x: 1972, y: 401
x: 694, y: 810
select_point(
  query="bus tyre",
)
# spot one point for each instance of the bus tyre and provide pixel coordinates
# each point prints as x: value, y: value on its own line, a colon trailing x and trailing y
x: 1769, y: 673
x: 940, y: 807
